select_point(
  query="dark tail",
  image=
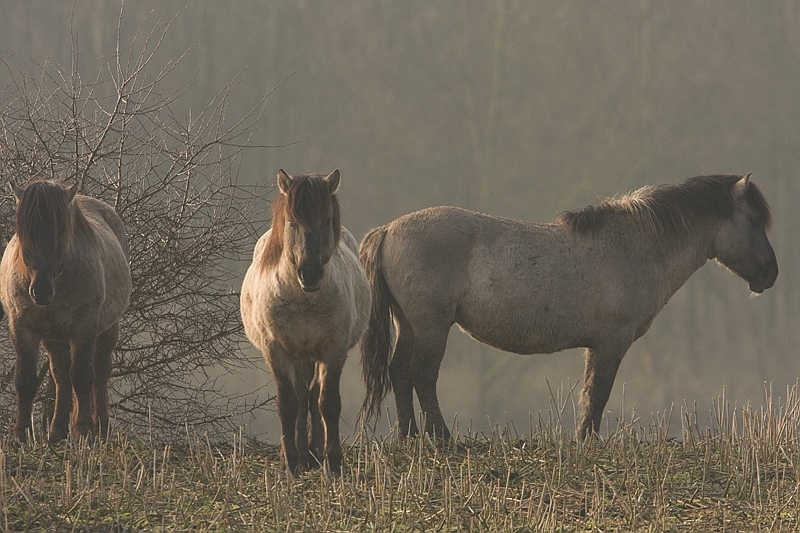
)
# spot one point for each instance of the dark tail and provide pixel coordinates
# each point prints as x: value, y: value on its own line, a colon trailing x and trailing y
x: 376, y: 343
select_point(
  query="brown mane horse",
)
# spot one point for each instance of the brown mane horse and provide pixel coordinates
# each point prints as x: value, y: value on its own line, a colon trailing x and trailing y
x: 304, y: 303
x: 64, y: 283
x: 596, y: 278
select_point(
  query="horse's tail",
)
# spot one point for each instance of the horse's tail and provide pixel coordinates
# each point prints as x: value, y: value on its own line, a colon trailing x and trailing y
x: 376, y: 343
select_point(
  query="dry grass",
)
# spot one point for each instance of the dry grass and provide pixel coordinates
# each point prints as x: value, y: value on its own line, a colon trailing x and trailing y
x: 739, y: 475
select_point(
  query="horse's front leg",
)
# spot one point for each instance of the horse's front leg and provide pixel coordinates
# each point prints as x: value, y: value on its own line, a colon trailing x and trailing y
x: 303, y: 374
x: 330, y: 408
x: 317, y: 431
x: 601, y: 365
x: 26, y: 347
x: 59, y: 355
x: 283, y: 374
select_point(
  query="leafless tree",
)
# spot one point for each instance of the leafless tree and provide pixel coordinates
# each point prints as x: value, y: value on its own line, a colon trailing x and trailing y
x: 173, y: 178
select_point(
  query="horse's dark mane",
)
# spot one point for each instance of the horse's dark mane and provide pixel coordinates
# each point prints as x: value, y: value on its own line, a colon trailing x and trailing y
x: 307, y: 196
x: 45, y: 208
x: 670, y: 209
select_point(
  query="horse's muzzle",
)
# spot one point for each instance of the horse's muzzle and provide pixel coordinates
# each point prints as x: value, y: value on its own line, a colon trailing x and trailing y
x: 760, y: 286
x: 42, y: 294
x: 310, y: 279
x: 766, y: 280
x: 308, y: 288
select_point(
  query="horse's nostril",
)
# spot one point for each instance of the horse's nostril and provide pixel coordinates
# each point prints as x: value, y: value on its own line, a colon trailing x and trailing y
x: 41, y: 295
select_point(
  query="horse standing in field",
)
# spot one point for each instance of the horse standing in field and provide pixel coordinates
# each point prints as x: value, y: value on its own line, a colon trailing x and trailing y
x: 596, y: 279
x: 64, y: 283
x: 305, y: 302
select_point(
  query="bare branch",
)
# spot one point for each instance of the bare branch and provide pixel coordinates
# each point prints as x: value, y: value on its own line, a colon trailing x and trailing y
x: 174, y: 183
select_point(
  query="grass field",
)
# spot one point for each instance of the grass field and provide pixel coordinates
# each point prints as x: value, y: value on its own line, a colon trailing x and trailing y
x: 741, y: 474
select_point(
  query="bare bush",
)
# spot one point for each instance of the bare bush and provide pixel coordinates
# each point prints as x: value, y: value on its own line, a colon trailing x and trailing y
x: 174, y: 182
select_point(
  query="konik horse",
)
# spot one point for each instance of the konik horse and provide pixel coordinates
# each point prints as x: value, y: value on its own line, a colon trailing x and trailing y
x: 64, y: 284
x: 305, y: 302
x: 596, y: 279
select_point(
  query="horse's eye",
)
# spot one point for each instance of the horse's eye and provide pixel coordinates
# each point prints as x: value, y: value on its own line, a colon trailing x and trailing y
x: 292, y: 224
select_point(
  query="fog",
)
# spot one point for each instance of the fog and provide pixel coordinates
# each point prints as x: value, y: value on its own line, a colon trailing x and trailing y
x: 519, y: 109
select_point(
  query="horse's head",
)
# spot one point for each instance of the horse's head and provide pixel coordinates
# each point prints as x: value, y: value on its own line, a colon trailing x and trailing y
x: 312, y: 225
x: 741, y: 243
x: 44, y: 229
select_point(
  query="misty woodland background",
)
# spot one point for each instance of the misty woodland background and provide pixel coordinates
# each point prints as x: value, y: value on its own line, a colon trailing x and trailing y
x: 520, y: 109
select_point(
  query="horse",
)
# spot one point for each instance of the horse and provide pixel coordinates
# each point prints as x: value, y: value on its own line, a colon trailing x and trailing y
x: 304, y: 303
x: 65, y: 282
x: 596, y: 278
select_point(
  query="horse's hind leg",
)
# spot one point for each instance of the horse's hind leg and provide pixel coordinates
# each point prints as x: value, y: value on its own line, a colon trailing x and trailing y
x: 106, y: 342
x: 59, y: 355
x: 330, y: 406
x: 400, y: 374
x: 25, y: 379
x: 428, y: 354
x: 601, y: 365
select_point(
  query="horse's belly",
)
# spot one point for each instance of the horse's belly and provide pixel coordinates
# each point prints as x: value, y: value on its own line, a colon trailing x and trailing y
x: 518, y: 331
x: 302, y: 336
x: 527, y: 343
x: 51, y: 322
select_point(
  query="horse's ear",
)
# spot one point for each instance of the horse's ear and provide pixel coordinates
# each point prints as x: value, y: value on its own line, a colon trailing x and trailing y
x: 741, y: 186
x: 18, y: 191
x: 284, y: 181
x: 72, y: 191
x: 332, y: 180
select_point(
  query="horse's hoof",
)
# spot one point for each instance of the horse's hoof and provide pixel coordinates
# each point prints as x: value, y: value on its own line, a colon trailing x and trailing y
x: 83, y: 429
x: 292, y: 465
x: 407, y: 431
x: 22, y: 434
x: 310, y: 463
x: 102, y: 433
x: 334, y: 464
x: 57, y: 436
x: 334, y: 469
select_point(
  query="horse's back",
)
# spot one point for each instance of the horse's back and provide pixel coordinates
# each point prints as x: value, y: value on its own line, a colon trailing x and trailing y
x: 102, y: 218
x: 254, y: 285
x: 349, y: 241
x: 443, y: 251
x: 114, y: 255
x: 491, y: 275
x: 359, y: 295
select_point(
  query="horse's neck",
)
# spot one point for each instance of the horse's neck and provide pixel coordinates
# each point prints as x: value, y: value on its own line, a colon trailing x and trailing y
x: 680, y: 256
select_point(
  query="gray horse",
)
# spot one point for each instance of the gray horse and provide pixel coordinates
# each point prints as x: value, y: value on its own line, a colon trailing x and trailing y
x: 305, y: 302
x: 596, y: 279
x: 64, y: 283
